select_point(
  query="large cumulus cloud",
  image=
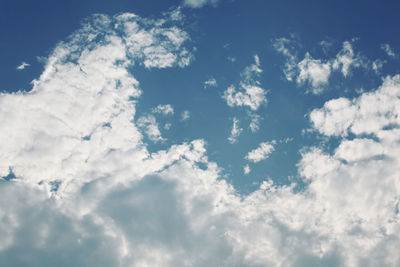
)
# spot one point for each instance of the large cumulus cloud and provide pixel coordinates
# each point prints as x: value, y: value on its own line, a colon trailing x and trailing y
x: 88, y: 193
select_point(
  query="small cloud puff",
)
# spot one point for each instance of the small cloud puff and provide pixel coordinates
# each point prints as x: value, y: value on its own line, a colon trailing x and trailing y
x: 150, y: 127
x: 23, y: 65
x: 185, y: 115
x: 164, y: 109
x: 212, y: 82
x: 262, y: 152
x: 246, y: 169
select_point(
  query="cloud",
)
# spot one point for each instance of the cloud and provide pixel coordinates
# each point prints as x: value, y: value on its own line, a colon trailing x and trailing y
x: 212, y: 82
x: 345, y: 59
x: 199, y: 3
x: 250, y: 93
x: 246, y: 169
x: 262, y: 152
x: 254, y: 122
x: 364, y: 115
x: 167, y: 126
x: 164, y: 109
x: 377, y: 65
x: 149, y: 125
x: 23, y: 65
x: 235, y: 132
x: 185, y: 115
x: 117, y: 204
x: 388, y: 50
x: 288, y: 48
x: 315, y: 73
x: 231, y: 59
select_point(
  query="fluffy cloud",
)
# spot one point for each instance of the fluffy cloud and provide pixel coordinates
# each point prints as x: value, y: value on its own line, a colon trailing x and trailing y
x: 117, y: 204
x: 235, y: 132
x: 262, y: 152
x: 250, y: 93
x: 315, y: 72
x: 246, y: 169
x: 368, y: 114
x: 150, y: 126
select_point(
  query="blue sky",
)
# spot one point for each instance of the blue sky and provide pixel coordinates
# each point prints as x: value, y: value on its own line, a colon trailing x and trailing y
x: 267, y: 131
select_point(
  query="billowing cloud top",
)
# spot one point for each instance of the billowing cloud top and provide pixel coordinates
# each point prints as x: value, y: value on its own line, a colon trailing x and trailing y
x: 87, y: 192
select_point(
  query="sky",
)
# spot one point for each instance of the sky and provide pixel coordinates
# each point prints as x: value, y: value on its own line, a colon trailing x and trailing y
x: 199, y: 133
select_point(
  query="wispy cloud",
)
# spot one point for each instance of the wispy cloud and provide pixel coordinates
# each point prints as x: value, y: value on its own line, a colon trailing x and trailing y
x: 23, y: 65
x: 388, y: 50
x: 254, y: 122
x: 212, y: 82
x: 164, y: 109
x: 262, y: 152
x: 235, y: 132
x: 199, y: 3
x: 315, y: 73
x: 185, y: 115
x: 246, y: 169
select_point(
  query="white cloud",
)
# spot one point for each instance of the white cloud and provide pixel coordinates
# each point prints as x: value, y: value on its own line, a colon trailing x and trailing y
x: 212, y: 82
x: 246, y: 169
x: 235, y: 132
x: 250, y: 93
x: 364, y: 115
x: 255, y: 122
x: 263, y: 151
x: 315, y: 72
x: 388, y: 50
x: 164, y: 109
x: 199, y: 3
x: 345, y: 59
x: 23, y: 65
x: 149, y: 125
x: 185, y: 115
x: 120, y: 205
